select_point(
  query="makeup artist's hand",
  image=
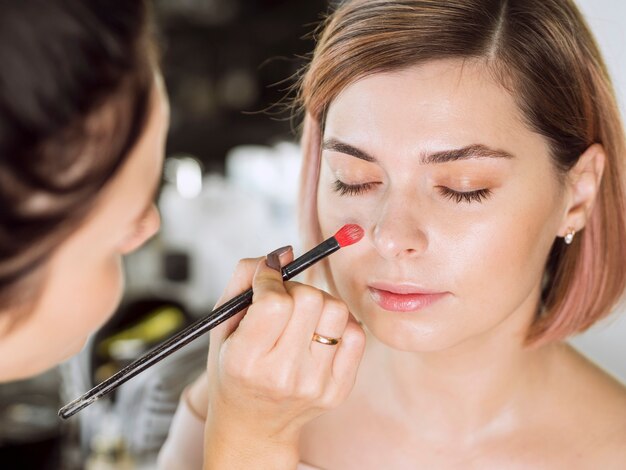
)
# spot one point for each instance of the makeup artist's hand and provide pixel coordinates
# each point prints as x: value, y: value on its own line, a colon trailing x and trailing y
x: 267, y: 378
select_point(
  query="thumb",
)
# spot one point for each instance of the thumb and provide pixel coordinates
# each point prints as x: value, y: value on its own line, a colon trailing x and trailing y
x: 242, y: 280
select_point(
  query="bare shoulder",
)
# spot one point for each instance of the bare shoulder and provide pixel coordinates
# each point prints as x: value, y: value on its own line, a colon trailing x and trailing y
x: 593, y: 404
x: 604, y: 392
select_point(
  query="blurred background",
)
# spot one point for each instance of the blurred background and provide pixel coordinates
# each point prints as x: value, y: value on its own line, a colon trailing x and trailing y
x: 228, y: 192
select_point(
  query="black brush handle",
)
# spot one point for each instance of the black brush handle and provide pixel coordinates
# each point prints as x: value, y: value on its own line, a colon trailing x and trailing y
x: 193, y: 331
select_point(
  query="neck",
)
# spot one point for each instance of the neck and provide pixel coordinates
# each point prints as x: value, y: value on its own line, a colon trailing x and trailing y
x: 474, y: 388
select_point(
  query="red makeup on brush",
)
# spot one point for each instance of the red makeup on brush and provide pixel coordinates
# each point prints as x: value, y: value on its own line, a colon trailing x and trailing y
x: 346, y: 236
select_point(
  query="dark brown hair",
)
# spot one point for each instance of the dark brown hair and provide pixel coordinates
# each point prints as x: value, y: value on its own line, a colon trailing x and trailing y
x: 75, y: 85
x: 542, y: 52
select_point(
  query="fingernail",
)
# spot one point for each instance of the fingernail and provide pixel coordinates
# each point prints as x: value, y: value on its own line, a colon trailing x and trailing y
x: 273, y: 259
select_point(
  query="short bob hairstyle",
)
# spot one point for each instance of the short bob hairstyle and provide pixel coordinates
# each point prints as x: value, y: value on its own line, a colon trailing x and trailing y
x: 544, y: 54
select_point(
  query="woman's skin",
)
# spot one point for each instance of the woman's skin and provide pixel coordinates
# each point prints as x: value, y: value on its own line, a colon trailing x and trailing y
x: 83, y: 279
x: 267, y: 377
x: 446, y: 381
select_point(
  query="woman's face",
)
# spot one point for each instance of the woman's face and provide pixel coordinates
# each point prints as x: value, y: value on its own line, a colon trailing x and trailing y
x: 84, y: 280
x: 458, y: 198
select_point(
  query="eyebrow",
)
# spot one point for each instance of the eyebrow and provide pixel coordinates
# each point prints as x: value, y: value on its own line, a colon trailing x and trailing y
x: 464, y: 153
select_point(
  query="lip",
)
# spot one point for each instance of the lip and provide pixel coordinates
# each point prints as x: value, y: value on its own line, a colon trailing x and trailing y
x: 403, y: 297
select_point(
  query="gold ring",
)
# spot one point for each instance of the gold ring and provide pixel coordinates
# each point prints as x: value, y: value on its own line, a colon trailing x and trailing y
x: 325, y: 339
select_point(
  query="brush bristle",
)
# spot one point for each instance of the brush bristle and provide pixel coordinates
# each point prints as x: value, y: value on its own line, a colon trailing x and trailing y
x: 349, y: 234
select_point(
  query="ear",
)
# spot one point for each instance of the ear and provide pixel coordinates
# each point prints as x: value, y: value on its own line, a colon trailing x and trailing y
x: 583, y: 181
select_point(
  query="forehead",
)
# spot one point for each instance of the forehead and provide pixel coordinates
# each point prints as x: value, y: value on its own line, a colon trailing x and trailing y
x: 435, y: 105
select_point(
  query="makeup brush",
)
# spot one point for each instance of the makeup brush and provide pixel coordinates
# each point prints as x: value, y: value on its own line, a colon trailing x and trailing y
x: 347, y: 235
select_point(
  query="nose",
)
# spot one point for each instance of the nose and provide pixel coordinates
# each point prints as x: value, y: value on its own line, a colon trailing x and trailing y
x: 396, y: 230
x: 148, y: 226
x: 152, y: 225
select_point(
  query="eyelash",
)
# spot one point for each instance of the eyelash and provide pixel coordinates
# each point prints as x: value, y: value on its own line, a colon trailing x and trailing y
x: 470, y: 196
x: 352, y: 189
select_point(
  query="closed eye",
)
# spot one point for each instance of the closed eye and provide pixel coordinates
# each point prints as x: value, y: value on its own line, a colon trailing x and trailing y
x: 465, y: 196
x: 478, y: 195
x: 352, y: 189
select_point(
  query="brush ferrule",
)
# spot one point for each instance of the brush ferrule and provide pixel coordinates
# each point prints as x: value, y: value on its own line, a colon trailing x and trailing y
x: 309, y: 258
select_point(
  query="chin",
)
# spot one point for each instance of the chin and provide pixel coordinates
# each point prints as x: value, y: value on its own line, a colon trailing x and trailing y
x: 412, y: 333
x: 418, y: 341
x: 51, y: 358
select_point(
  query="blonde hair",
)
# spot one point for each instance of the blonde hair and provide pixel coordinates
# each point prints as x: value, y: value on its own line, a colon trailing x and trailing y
x: 543, y: 52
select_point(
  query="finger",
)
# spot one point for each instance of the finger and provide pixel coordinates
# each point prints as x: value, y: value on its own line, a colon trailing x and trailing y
x: 197, y: 395
x: 240, y: 281
x: 349, y: 354
x: 331, y: 327
x: 268, y: 278
x: 272, y: 305
x: 279, y: 257
x: 308, y: 307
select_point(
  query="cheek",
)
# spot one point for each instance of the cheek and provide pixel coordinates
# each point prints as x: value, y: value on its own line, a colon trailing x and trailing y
x: 501, y: 259
x: 328, y: 213
x: 75, y: 303
x: 92, y: 295
x: 103, y: 290
x: 334, y: 211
